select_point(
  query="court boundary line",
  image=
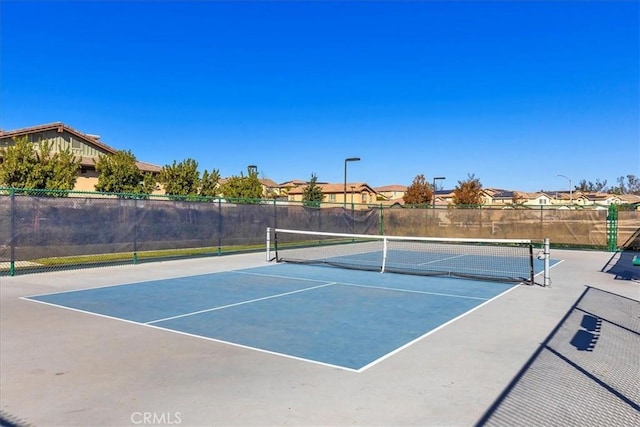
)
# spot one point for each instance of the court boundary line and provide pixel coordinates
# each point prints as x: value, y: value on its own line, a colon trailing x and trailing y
x: 435, y: 261
x: 115, y: 285
x: 79, y: 310
x: 261, y: 350
x: 247, y: 347
x: 239, y: 271
x: 175, y: 331
x: 359, y: 370
x: 412, y: 291
x: 235, y: 304
x: 436, y: 329
x: 375, y: 287
x: 277, y: 276
x: 159, y: 280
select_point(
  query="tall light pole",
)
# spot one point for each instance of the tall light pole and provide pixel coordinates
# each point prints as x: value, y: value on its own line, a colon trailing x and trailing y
x: 570, y: 188
x: 434, y: 188
x: 347, y: 160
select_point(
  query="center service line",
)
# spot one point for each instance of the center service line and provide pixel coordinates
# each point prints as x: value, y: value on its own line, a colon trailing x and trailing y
x: 240, y: 303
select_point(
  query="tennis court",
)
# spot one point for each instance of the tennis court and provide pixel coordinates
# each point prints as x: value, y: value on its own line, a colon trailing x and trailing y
x: 343, y: 318
x: 237, y: 340
x: 347, y: 319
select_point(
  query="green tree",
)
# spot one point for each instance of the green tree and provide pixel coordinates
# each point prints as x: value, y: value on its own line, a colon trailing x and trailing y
x: 30, y: 166
x: 419, y: 192
x: 119, y: 173
x: 248, y: 188
x: 181, y: 179
x: 149, y: 183
x: 209, y: 183
x: 468, y: 192
x: 312, y: 194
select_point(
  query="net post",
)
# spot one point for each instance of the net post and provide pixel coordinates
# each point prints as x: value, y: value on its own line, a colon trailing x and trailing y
x: 532, y: 272
x: 547, y: 253
x: 384, y: 254
x: 268, y: 244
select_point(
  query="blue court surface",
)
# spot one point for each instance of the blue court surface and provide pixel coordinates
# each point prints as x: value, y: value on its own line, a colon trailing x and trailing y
x: 342, y: 318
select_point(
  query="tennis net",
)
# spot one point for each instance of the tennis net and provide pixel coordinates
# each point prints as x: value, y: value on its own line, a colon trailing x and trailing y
x: 505, y: 260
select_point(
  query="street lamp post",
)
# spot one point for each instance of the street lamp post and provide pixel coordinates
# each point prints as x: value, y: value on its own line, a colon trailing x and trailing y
x: 570, y: 188
x: 347, y: 160
x: 435, y: 178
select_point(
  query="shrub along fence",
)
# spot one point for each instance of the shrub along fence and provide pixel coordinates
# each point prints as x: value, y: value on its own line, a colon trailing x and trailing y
x: 40, y: 232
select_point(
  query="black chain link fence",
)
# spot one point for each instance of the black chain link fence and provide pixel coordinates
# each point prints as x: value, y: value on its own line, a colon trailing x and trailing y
x: 41, y: 233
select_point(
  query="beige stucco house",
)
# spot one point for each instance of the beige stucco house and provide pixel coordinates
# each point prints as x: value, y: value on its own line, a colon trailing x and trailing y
x: 391, y: 192
x: 358, y: 193
x: 86, y: 148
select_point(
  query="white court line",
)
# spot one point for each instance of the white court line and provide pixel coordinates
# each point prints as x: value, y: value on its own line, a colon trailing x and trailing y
x: 144, y: 281
x: 133, y: 283
x: 277, y: 276
x: 239, y: 303
x: 410, y: 343
x: 369, y: 286
x: 79, y: 310
x: 360, y: 370
x: 443, y: 259
x: 412, y: 291
x: 175, y: 331
x: 261, y: 350
x: 371, y: 364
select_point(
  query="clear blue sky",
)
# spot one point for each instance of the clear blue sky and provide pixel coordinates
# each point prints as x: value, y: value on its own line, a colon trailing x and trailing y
x: 513, y: 92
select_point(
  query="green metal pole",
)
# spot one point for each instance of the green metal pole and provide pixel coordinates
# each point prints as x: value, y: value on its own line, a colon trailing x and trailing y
x: 135, y: 231
x: 12, y: 264
x: 219, y: 227
x: 612, y: 228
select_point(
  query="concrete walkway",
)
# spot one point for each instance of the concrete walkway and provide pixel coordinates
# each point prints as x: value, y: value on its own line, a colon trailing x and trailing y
x: 535, y: 356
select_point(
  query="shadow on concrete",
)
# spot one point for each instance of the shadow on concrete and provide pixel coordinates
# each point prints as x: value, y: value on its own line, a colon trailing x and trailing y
x: 621, y: 263
x: 7, y: 420
x: 584, y: 374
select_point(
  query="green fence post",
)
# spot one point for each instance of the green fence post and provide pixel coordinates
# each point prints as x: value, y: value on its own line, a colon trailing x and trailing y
x: 219, y: 226
x: 275, y: 213
x: 612, y: 228
x: 12, y: 262
x: 135, y: 230
x: 381, y: 221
